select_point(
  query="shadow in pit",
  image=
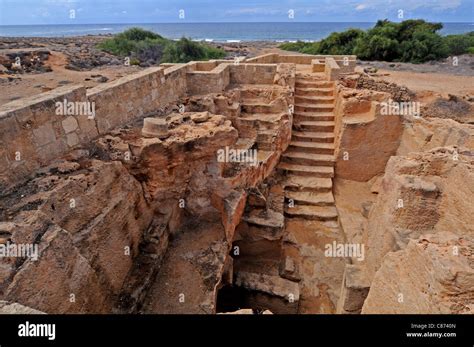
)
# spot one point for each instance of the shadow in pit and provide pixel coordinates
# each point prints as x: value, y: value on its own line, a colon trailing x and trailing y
x: 233, y: 298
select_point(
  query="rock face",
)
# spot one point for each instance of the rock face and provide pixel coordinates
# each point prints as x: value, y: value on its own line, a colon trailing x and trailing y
x: 434, y: 274
x: 14, y: 308
x: 87, y: 229
x: 362, y: 81
x: 367, y: 137
x: 423, y: 193
x: 425, y: 134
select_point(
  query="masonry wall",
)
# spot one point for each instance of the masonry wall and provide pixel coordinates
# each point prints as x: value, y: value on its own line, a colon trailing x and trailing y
x: 136, y: 95
x: 269, y: 58
x: 252, y: 73
x: 296, y: 59
x: 203, y: 82
x: 32, y: 134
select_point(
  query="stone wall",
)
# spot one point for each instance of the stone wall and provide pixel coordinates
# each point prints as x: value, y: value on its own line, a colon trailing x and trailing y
x: 252, y: 73
x: 208, y: 81
x: 331, y: 69
x: 32, y: 133
x: 270, y: 58
x: 136, y: 95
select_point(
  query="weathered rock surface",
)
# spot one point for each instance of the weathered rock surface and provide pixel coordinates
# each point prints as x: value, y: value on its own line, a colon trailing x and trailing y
x: 88, y: 225
x: 368, y: 138
x: 434, y: 274
x: 15, y: 308
x: 424, y: 134
x: 423, y: 193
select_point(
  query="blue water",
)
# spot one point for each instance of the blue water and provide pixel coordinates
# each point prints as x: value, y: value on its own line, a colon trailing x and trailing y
x: 220, y: 32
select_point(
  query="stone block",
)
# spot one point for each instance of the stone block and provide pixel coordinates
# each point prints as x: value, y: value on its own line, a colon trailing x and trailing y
x: 72, y: 139
x: 69, y: 124
x: 155, y: 127
x: 44, y: 134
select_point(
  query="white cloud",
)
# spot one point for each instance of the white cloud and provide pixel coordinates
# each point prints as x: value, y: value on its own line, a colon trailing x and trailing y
x: 255, y: 11
x: 434, y: 5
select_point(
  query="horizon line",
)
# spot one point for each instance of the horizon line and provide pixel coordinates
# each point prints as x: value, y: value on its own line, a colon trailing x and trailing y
x: 236, y: 22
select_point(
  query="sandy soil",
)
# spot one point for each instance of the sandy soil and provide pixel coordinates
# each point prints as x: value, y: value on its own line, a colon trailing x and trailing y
x: 424, y: 83
x: 22, y: 85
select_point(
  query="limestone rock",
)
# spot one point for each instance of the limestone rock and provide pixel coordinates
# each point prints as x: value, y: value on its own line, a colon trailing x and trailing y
x: 274, y: 285
x: 15, y: 308
x: 434, y: 274
x: 422, y: 193
x: 82, y: 224
x: 425, y: 134
x: 367, y: 137
x: 155, y: 127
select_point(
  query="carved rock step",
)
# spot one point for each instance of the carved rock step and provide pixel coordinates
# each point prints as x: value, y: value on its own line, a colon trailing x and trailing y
x: 264, y: 117
x: 262, y: 107
x: 307, y: 83
x: 308, y: 136
x: 307, y: 183
x: 261, y: 121
x: 300, y: 99
x: 317, y: 126
x: 322, y: 213
x: 305, y: 170
x: 273, y: 285
x: 305, y: 107
x: 265, y: 218
x: 311, y: 198
x: 266, y: 139
x: 314, y: 91
x: 302, y: 158
x: 313, y: 116
x: 312, y: 147
x: 266, y: 135
x: 302, y: 231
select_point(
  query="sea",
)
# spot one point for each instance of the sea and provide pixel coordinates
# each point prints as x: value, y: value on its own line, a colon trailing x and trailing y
x: 218, y: 32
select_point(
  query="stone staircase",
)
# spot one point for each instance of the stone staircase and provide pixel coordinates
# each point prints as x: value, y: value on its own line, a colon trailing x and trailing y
x: 311, y: 152
x: 311, y: 217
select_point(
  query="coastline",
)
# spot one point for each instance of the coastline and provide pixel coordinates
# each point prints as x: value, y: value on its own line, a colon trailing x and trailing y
x: 76, y: 60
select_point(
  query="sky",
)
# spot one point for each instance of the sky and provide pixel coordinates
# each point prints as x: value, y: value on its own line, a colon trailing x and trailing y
x: 21, y: 12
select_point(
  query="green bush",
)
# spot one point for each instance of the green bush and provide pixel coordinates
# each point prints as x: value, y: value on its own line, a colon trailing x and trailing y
x: 459, y: 44
x: 413, y: 41
x: 424, y: 46
x: 143, y: 45
x: 340, y: 43
x: 293, y: 46
x: 138, y: 34
x: 185, y: 50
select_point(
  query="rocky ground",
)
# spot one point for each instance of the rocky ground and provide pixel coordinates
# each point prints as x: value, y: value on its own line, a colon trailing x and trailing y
x: 460, y: 66
x: 48, y: 63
